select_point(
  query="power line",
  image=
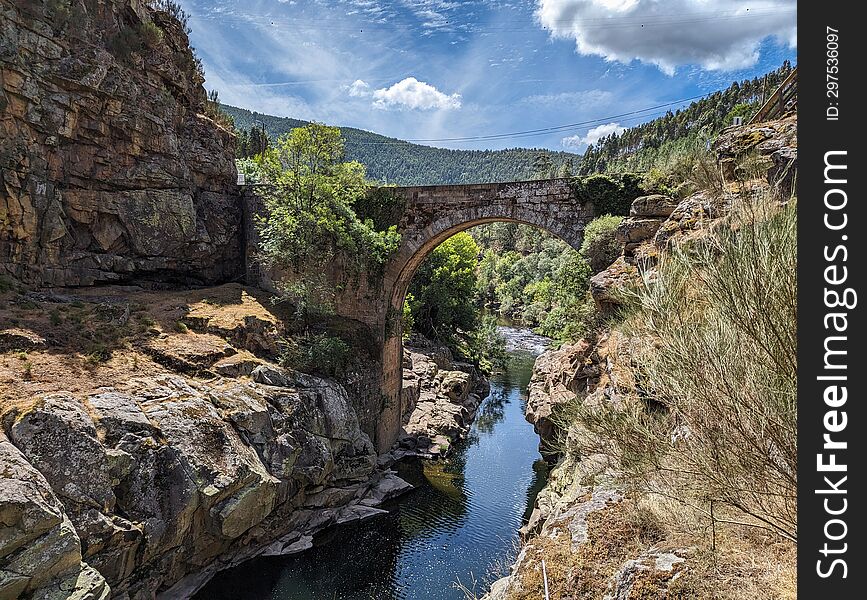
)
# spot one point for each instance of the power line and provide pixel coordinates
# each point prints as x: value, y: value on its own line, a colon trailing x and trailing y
x: 544, y: 130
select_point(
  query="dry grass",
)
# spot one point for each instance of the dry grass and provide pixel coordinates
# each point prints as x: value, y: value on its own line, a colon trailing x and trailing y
x: 615, y: 535
x: 101, y: 335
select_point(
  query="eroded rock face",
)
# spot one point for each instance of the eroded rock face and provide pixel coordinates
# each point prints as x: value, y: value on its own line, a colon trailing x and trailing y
x: 161, y: 477
x: 110, y: 169
x: 440, y: 399
x: 38, y: 543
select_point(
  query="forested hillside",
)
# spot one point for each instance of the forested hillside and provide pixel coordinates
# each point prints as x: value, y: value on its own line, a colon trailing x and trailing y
x: 655, y: 143
x: 390, y: 160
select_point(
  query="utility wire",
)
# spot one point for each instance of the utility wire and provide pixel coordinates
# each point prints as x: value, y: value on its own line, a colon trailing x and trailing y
x: 546, y: 130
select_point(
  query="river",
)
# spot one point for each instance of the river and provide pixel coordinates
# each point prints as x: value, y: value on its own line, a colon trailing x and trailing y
x: 460, y: 524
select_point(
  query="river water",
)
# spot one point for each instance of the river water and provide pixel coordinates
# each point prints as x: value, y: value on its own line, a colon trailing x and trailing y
x: 459, y: 526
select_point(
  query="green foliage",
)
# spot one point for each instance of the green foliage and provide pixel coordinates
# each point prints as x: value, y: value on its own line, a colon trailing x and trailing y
x: 443, y: 289
x: 485, y: 346
x: 322, y: 354
x: 309, y: 213
x: 382, y: 206
x: 534, y: 278
x: 125, y: 43
x: 658, y: 142
x: 606, y: 194
x: 599, y: 247
x: 407, y: 320
x: 151, y: 35
x: 389, y: 160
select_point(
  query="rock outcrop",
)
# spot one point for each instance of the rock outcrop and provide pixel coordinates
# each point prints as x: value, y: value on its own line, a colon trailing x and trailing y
x: 440, y: 399
x: 145, y: 468
x: 109, y: 168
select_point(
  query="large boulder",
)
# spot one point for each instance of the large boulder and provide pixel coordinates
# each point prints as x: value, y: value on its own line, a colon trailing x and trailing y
x: 40, y: 551
x: 654, y: 205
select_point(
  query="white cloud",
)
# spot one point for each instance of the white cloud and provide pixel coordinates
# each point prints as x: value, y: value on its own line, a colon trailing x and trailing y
x: 576, y: 142
x: 717, y: 36
x: 414, y: 94
x: 359, y: 89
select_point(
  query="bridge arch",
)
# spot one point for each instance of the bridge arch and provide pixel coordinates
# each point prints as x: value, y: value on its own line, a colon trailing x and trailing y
x: 431, y: 215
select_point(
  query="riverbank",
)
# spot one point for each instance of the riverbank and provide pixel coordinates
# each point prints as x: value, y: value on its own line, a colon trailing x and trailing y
x: 186, y: 446
x: 455, y: 528
x: 440, y: 397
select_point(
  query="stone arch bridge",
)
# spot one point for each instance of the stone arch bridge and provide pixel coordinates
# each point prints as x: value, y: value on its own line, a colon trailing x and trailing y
x: 432, y: 214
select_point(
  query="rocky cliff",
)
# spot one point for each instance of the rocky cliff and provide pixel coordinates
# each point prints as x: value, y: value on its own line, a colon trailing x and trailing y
x: 598, y: 532
x: 149, y: 439
x: 110, y: 169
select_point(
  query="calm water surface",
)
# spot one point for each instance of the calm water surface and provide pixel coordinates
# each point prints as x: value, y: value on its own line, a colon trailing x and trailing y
x: 459, y: 524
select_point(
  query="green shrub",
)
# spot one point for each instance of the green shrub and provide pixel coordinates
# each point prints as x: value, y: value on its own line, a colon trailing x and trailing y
x: 718, y: 374
x: 599, y: 247
x: 125, y: 43
x: 322, y: 354
x: 151, y: 35
x: 605, y: 193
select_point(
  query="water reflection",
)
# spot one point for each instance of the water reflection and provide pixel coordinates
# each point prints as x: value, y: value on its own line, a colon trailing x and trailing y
x: 461, y: 520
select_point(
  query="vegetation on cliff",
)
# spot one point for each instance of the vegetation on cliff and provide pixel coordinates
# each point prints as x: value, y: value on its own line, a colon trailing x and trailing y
x: 678, y: 417
x: 660, y: 142
x: 309, y: 197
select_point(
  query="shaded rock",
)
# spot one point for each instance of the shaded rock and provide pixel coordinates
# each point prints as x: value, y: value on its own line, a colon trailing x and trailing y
x: 358, y: 512
x: 655, y: 205
x: 637, y: 229
x: 302, y: 543
x: 237, y: 365
x: 386, y: 487
x: 188, y: 353
x: 20, y: 339
x: 607, y: 286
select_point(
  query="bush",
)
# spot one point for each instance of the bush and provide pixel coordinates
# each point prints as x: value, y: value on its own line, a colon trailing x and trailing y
x: 151, y: 35
x: 125, y: 43
x: 322, y: 354
x: 720, y: 358
x: 599, y: 247
x: 486, y: 346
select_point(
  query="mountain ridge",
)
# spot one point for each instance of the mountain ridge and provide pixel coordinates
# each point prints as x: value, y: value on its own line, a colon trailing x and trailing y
x: 392, y: 160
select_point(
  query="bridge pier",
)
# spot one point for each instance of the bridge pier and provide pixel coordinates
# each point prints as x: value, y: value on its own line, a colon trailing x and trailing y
x: 430, y: 215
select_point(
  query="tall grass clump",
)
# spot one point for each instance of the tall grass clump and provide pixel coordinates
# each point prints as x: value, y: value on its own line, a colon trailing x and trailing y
x: 714, y: 421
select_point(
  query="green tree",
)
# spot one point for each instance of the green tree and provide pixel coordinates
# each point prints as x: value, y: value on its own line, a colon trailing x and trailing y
x: 309, y: 211
x: 444, y: 289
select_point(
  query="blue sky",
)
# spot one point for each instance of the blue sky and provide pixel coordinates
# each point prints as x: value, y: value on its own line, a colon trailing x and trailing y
x: 439, y: 69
